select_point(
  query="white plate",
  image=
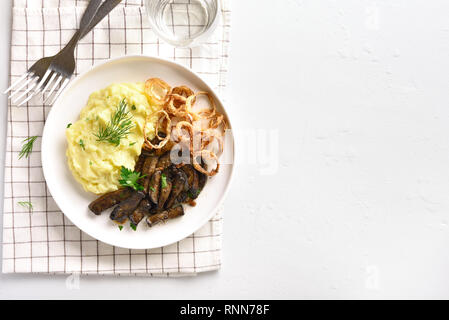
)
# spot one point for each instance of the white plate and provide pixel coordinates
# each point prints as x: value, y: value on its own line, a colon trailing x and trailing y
x: 68, y: 193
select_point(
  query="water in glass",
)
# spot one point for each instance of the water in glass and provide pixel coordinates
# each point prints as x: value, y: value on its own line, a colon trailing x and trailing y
x: 183, y: 23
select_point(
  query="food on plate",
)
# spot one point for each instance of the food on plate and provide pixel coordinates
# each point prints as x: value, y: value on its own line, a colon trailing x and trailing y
x: 141, y: 211
x: 125, y: 208
x: 108, y: 135
x: 149, y: 150
x: 165, y: 215
x: 154, y: 186
x: 109, y: 200
x: 148, y: 168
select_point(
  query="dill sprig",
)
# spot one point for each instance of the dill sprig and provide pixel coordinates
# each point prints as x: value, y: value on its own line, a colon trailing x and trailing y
x: 25, y: 204
x: 119, y: 126
x: 27, y: 147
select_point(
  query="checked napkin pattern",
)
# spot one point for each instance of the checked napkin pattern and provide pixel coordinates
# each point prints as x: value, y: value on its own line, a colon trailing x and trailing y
x: 44, y: 240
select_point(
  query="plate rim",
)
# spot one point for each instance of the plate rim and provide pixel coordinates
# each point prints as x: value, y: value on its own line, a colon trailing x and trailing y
x: 81, y: 76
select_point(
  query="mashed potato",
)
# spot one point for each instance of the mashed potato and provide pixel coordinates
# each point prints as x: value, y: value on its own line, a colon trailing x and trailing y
x: 94, y: 164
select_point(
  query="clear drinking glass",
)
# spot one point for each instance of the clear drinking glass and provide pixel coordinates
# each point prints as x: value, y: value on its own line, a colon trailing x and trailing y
x: 183, y: 23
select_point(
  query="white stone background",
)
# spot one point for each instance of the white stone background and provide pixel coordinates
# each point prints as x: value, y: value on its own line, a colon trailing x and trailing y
x: 357, y: 91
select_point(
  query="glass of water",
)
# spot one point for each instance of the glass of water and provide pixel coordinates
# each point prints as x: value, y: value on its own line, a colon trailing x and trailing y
x: 183, y: 23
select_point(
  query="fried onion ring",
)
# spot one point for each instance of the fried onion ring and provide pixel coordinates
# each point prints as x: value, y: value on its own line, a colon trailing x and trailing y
x: 210, y: 155
x: 196, y: 129
x: 207, y: 113
x: 183, y: 91
x: 176, y: 105
x: 157, y: 90
x: 147, y: 142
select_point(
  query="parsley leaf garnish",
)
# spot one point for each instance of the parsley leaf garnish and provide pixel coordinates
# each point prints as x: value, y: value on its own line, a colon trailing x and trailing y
x: 120, y: 227
x: 81, y: 143
x: 193, y: 193
x: 130, y: 178
x: 163, y: 181
x: 133, y: 226
x: 69, y: 125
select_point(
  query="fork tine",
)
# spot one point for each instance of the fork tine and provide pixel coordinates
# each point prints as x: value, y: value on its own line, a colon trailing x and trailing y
x: 50, y: 81
x: 17, y: 82
x: 27, y: 99
x: 47, y: 73
x: 58, y: 80
x: 38, y: 88
x: 25, y: 93
x: 29, y: 96
x: 21, y: 87
x: 64, y: 84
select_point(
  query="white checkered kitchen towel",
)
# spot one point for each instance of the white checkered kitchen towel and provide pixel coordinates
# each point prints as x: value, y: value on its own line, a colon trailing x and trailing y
x: 44, y: 241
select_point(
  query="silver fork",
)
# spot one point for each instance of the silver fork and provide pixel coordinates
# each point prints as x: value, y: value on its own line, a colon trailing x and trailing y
x: 61, y: 66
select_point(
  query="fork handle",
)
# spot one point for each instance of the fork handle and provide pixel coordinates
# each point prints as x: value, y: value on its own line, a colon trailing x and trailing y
x: 87, y: 17
x: 102, y: 12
